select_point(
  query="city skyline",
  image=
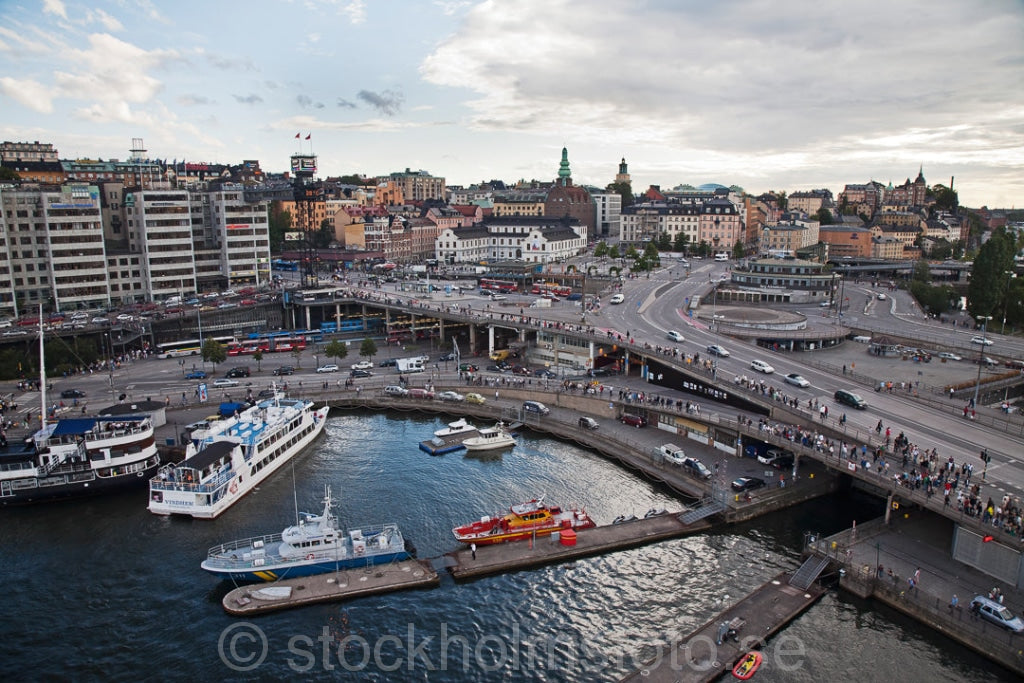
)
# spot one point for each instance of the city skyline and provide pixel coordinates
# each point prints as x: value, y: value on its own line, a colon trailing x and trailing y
x: 738, y: 93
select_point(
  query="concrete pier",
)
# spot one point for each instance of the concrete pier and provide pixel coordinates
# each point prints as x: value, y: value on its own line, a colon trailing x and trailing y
x: 496, y: 559
x: 342, y: 585
x: 701, y: 656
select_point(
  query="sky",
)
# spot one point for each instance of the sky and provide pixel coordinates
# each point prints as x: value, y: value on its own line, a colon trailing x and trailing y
x: 765, y: 95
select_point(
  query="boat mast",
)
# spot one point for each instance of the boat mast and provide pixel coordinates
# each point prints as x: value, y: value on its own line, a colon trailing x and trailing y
x: 42, y: 371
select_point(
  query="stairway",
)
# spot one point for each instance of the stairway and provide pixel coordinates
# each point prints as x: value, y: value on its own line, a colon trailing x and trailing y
x: 809, y: 571
x: 705, y: 509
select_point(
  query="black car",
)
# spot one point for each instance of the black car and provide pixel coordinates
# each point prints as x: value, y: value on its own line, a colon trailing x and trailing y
x: 72, y: 393
x: 237, y: 372
x: 747, y: 483
x: 284, y: 370
x: 360, y: 373
x: 447, y: 356
x: 388, y: 363
x: 265, y: 393
x: 851, y: 399
x: 544, y: 372
x: 599, y: 372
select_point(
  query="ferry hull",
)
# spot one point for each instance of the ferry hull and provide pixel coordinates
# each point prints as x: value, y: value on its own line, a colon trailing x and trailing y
x: 302, y: 568
x: 71, y: 490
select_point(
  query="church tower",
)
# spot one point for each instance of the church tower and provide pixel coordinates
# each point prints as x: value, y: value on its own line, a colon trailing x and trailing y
x: 567, y: 200
x: 622, y: 177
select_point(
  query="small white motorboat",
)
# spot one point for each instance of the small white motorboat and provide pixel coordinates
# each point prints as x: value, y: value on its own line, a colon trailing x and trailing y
x: 490, y: 438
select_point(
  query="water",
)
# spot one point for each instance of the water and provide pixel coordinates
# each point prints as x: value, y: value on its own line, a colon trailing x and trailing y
x: 102, y: 589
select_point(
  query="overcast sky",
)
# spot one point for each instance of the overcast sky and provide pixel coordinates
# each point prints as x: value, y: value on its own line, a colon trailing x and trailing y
x: 766, y: 95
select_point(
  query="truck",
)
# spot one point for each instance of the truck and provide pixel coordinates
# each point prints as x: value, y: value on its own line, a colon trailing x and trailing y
x: 672, y: 453
x: 541, y: 303
x: 410, y: 364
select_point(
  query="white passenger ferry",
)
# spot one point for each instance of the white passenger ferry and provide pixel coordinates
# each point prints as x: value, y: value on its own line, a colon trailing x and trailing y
x: 230, y: 457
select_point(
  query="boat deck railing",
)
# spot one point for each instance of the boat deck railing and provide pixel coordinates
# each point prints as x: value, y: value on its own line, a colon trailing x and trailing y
x: 166, y: 481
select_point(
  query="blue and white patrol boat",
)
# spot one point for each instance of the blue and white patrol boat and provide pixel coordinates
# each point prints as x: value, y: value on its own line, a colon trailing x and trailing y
x: 316, y: 545
x: 229, y: 457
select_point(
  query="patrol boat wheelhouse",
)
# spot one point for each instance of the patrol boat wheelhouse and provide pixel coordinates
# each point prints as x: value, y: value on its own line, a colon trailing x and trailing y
x: 230, y: 457
x: 315, y: 545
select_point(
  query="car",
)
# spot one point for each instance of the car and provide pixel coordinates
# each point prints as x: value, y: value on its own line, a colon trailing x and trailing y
x: 453, y: 396
x: 498, y: 297
x: 675, y: 336
x: 266, y: 393
x: 599, y: 372
x: 72, y: 393
x: 575, y: 296
x: 100, y: 320
x: 388, y: 363
x: 421, y: 393
x: 986, y: 361
x: 850, y: 398
x: 284, y: 370
x: 797, y: 380
x: 225, y: 382
x: 196, y: 374
x: 497, y: 368
x: 395, y: 390
x: 993, y: 611
x: 535, y: 407
x: 446, y: 357
x: 358, y: 374
x: 474, y: 398
x: 363, y: 365
x: 747, y: 484
x: 695, y: 468
x: 468, y: 367
x: 761, y: 366
x: 947, y: 355
x: 637, y: 421
x: 237, y: 372
x: 544, y: 372
x: 778, y: 458
x: 718, y: 350
x: 330, y: 367
x: 881, y: 296
x: 984, y: 341
x: 616, y: 299
x: 124, y: 317
x: 825, y: 304
x: 588, y: 423
x: 549, y: 296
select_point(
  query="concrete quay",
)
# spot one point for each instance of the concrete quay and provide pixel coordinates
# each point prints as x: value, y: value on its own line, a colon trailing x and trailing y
x: 703, y: 655
x: 504, y: 557
x: 346, y: 584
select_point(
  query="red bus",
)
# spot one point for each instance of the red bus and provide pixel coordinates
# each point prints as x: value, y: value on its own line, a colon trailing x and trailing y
x: 551, y: 288
x: 498, y: 285
x: 278, y: 344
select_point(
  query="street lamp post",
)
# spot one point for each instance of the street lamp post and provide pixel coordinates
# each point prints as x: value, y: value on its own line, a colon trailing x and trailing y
x: 983, y: 319
x: 1006, y: 299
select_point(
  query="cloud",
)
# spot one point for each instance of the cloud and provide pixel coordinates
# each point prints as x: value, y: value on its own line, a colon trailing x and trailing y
x: 28, y: 93
x: 189, y: 100
x: 451, y: 7
x: 18, y: 44
x: 230, y: 63
x: 705, y: 78
x: 99, y: 16
x: 55, y: 7
x: 306, y: 102
x: 355, y: 11
x: 248, y: 99
x: 387, y: 102
x: 346, y: 104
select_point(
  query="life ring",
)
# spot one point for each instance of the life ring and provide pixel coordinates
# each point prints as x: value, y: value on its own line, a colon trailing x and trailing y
x: 234, y: 487
x: 138, y: 474
x: 310, y: 556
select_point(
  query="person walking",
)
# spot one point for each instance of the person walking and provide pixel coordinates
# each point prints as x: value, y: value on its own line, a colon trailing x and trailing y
x: 472, y: 549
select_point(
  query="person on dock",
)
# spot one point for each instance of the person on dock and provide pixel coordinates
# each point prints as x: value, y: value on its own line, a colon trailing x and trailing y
x: 472, y: 549
x: 954, y: 602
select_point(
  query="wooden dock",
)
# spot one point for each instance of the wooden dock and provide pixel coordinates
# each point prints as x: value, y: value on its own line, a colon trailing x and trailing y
x: 439, y: 445
x: 495, y: 559
x: 698, y: 657
x: 342, y: 585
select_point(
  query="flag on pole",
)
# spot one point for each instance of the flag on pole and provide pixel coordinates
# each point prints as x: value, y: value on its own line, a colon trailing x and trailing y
x: 309, y: 136
x: 297, y: 135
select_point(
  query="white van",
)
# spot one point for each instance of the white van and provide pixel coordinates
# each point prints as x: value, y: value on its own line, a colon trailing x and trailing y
x: 721, y: 256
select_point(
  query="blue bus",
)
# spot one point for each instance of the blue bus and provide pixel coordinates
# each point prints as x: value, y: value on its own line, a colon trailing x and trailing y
x: 284, y: 264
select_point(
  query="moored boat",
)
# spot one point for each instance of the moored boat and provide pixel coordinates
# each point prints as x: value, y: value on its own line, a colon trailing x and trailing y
x: 523, y: 521
x: 460, y: 426
x: 232, y: 456
x: 315, y: 545
x: 490, y: 438
x: 747, y: 666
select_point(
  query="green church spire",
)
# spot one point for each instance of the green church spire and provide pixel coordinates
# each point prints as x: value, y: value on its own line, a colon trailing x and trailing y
x: 564, y: 174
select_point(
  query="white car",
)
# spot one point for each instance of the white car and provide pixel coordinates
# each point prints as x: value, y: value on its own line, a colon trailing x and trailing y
x: 125, y: 317
x: 450, y: 396
x: 797, y: 380
x: 718, y: 350
x: 761, y: 366
x: 946, y: 355
x: 363, y: 365
x: 981, y: 340
x: 616, y: 299
x: 330, y: 367
x: 675, y: 336
x: 225, y: 382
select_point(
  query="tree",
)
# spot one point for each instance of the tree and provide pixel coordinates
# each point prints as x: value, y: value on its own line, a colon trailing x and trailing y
x: 613, y: 251
x: 280, y: 222
x: 986, y: 291
x: 823, y: 216
x: 664, y: 242
x: 368, y: 349
x: 335, y: 349
x: 632, y: 253
x: 258, y: 357
x: 922, y: 272
x: 8, y: 174
x: 737, y: 250
x: 682, y: 242
x: 601, y: 249
x: 297, y: 352
x: 945, y: 198
x: 214, y: 352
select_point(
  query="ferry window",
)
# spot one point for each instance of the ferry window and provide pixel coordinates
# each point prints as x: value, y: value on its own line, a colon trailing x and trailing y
x: 316, y: 542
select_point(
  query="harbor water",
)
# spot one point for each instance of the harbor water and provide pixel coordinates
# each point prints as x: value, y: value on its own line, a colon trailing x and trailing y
x: 103, y: 590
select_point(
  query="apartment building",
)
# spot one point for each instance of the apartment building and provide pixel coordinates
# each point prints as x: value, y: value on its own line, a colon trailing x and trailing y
x: 720, y: 224
x: 512, y: 238
x: 418, y: 185
x: 609, y: 214
x: 846, y: 240
x: 239, y: 230
x: 647, y: 222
